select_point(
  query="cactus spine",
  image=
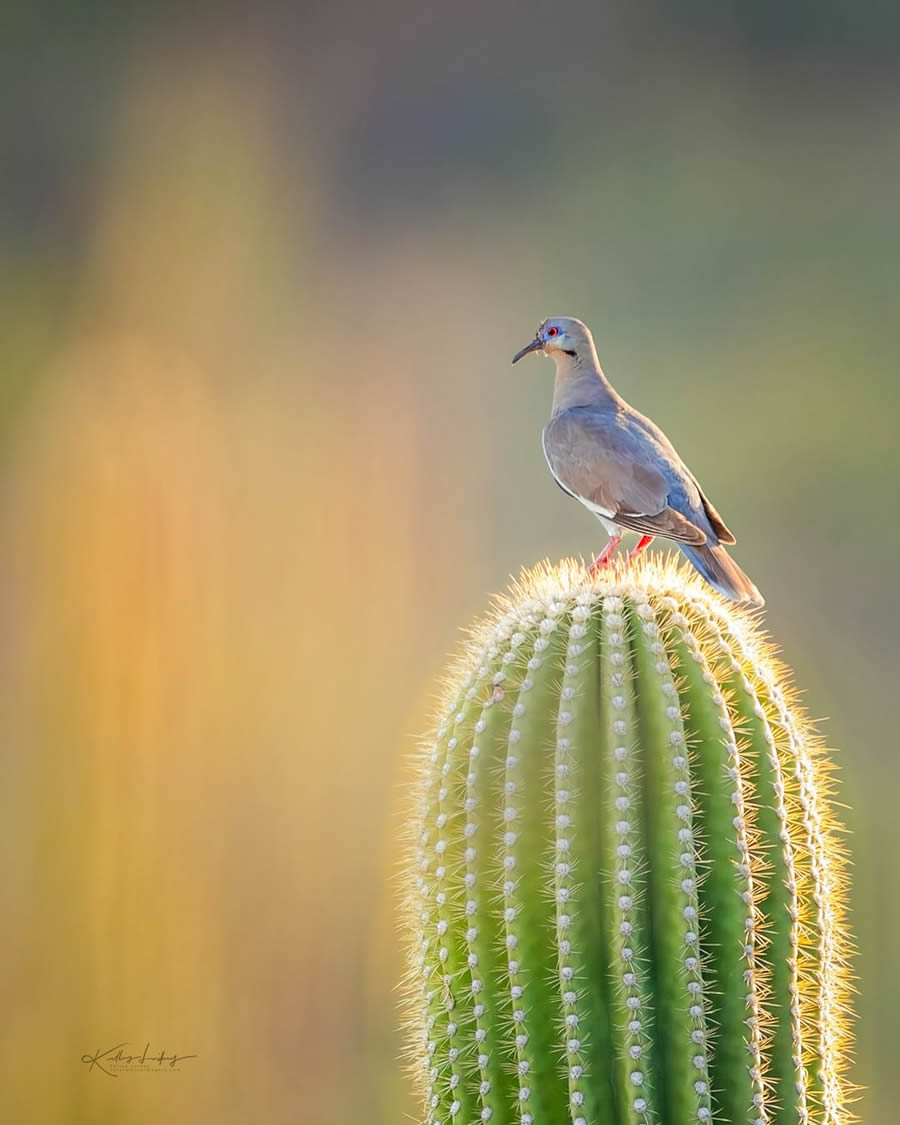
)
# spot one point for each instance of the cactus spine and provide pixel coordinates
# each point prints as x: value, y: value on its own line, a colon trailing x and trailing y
x: 626, y: 897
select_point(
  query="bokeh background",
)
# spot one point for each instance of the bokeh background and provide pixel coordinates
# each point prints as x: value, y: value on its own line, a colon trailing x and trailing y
x: 262, y: 454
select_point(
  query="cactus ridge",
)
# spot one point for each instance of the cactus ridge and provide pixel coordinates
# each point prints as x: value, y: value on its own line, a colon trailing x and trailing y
x: 781, y: 918
x: 824, y: 978
x: 728, y: 783
x: 627, y: 889
x: 624, y: 842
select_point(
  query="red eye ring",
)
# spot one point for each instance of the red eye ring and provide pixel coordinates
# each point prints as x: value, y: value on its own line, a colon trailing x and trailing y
x: 552, y: 330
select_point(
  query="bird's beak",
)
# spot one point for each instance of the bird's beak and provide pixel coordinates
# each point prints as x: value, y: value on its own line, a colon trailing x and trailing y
x: 535, y: 346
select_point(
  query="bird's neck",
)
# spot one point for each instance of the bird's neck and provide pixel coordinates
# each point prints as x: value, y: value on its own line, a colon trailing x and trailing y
x: 580, y: 382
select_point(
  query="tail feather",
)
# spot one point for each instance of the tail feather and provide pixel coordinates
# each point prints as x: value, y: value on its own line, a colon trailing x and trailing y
x: 723, y: 573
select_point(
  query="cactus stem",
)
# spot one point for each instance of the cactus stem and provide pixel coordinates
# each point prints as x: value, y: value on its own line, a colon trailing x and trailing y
x: 451, y: 958
x: 564, y: 779
x: 522, y: 884
x: 582, y: 984
x: 482, y: 936
x: 711, y: 721
x: 626, y: 893
x: 789, y: 1084
x: 623, y: 842
x: 433, y: 891
x: 681, y: 1004
x: 829, y: 980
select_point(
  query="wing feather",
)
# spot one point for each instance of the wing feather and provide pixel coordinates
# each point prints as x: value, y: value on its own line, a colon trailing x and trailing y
x: 604, y: 465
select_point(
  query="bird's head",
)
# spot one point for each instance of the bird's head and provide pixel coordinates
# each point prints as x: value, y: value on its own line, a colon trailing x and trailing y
x: 560, y: 337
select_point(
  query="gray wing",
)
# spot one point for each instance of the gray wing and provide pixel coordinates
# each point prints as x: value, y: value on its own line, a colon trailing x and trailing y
x: 617, y: 473
x: 658, y: 438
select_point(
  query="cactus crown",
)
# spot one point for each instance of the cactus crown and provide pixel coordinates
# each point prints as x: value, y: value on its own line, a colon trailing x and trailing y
x: 626, y: 896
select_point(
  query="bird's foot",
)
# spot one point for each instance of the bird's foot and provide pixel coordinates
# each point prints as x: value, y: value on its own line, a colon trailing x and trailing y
x: 643, y: 543
x: 602, y: 560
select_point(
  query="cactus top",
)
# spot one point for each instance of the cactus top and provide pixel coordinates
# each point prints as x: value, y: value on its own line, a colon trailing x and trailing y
x: 626, y: 885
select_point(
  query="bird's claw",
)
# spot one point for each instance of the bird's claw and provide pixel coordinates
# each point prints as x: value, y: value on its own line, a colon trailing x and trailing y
x: 603, y: 559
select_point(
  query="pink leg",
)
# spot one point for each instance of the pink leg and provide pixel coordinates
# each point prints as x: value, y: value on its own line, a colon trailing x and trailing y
x: 603, y: 558
x: 643, y: 542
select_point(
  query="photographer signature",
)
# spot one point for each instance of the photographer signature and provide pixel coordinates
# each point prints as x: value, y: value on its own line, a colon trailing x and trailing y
x: 119, y: 1057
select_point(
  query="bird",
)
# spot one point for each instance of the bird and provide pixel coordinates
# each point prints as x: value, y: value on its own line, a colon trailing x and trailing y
x: 623, y: 468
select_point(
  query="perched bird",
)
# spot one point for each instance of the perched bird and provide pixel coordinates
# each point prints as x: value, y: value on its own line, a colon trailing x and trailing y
x: 622, y: 467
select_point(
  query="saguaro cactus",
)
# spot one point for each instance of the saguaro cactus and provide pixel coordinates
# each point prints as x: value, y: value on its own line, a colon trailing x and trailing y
x: 626, y: 893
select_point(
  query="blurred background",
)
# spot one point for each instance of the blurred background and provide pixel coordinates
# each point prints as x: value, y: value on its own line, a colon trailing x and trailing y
x: 262, y: 453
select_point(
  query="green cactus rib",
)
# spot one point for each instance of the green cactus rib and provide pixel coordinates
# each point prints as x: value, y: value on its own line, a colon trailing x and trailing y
x: 779, y: 916
x: 627, y: 905
x: 582, y: 946
x: 526, y: 841
x: 433, y: 890
x: 624, y: 900
x: 819, y: 869
x: 680, y: 992
x: 435, y: 885
x: 727, y: 893
x: 483, y: 929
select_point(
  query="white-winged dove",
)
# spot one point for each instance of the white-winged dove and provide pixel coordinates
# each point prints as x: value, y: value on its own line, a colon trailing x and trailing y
x: 622, y: 467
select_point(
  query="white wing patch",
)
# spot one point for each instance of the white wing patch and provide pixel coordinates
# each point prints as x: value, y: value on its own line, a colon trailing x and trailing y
x: 601, y: 513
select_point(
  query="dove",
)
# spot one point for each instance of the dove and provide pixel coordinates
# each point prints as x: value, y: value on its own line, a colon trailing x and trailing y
x: 623, y: 468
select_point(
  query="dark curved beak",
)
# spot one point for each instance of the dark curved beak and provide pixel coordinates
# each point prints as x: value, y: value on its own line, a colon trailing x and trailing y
x: 535, y: 346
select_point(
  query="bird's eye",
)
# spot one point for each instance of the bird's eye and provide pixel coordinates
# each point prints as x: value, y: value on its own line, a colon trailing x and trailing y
x: 552, y: 330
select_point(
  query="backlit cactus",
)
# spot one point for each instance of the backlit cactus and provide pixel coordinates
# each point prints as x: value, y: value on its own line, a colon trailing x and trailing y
x: 626, y: 890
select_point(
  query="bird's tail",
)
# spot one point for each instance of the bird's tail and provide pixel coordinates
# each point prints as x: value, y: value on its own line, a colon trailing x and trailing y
x: 723, y: 573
